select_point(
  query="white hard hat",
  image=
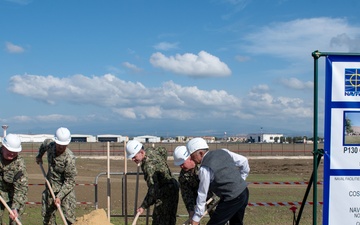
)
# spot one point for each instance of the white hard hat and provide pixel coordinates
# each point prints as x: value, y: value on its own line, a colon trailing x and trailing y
x: 195, y: 144
x: 62, y: 136
x: 132, y: 148
x: 12, y: 143
x: 180, y: 155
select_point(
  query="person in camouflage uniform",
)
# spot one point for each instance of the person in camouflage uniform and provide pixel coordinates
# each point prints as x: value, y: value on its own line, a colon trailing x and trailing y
x: 13, y: 178
x: 163, y: 188
x: 61, y: 175
x: 189, y: 181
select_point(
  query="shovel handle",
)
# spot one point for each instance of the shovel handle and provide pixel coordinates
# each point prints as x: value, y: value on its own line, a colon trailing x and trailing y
x: 10, y: 211
x: 53, y: 195
x: 136, y: 218
x: 206, y: 212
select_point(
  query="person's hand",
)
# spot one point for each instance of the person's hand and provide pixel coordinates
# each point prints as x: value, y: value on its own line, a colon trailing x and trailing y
x: 140, y: 210
x: 192, y: 222
x: 57, y: 201
x: 191, y: 214
x: 38, y: 160
x: 14, y: 214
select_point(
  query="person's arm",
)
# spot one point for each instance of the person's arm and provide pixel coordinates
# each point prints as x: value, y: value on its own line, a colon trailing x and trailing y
x: 151, y: 171
x: 187, y: 190
x: 20, y: 183
x: 241, y: 162
x: 42, y: 149
x: 69, y: 175
x: 205, y: 177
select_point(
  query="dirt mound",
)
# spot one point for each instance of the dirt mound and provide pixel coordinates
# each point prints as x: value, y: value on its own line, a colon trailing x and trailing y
x: 96, y: 217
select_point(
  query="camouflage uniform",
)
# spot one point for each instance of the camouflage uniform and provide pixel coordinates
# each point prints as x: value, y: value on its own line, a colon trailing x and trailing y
x: 189, y: 184
x: 163, y: 189
x: 13, y: 185
x: 61, y: 175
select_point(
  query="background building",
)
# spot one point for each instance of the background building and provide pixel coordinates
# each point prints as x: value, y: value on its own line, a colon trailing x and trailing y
x: 111, y: 138
x: 148, y: 139
x: 264, y: 138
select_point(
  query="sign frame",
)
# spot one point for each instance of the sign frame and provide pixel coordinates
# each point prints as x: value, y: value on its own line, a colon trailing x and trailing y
x: 341, y: 166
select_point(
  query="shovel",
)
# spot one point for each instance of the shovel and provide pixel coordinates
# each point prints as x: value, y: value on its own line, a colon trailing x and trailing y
x: 53, y: 195
x: 10, y: 211
x: 136, y: 218
x: 206, y: 212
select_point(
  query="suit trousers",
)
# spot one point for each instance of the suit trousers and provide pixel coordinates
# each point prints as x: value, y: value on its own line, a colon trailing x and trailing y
x: 232, y: 211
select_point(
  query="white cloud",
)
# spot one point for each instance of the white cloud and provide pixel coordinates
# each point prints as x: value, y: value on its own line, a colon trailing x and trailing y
x: 165, y: 46
x: 11, y: 48
x: 131, y: 67
x: 237, y: 6
x: 130, y: 100
x: 180, y: 114
x: 295, y: 83
x: 133, y: 100
x: 260, y: 101
x: 128, y: 113
x: 193, y: 97
x: 22, y: 118
x: 298, y: 38
x: 260, y: 88
x: 106, y: 90
x: 45, y: 118
x: 56, y: 117
x: 201, y: 65
x: 113, y: 69
x: 344, y: 40
x: 151, y: 112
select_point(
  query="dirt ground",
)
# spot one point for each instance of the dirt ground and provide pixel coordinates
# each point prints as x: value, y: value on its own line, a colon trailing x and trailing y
x: 91, y: 170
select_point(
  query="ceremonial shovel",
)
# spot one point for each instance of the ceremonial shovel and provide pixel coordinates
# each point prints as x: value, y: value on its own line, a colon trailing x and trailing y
x: 206, y: 212
x: 53, y: 195
x: 10, y: 211
x: 136, y: 218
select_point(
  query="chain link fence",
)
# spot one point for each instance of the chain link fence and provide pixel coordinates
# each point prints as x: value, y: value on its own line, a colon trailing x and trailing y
x: 246, y: 149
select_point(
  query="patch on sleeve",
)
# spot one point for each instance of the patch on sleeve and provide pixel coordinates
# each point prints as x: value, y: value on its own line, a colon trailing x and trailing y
x: 18, y: 175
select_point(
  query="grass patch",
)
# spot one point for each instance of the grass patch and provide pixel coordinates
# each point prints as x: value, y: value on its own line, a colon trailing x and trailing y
x: 352, y: 139
x: 289, y: 171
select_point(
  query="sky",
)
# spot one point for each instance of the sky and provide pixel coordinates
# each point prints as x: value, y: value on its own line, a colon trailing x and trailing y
x: 168, y: 68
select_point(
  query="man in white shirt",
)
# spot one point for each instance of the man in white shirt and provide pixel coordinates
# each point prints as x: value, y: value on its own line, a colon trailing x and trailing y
x: 224, y: 173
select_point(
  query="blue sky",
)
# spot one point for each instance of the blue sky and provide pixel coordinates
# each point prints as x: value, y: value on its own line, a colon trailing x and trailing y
x: 168, y: 68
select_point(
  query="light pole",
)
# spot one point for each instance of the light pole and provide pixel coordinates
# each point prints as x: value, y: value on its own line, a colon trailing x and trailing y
x: 4, y: 127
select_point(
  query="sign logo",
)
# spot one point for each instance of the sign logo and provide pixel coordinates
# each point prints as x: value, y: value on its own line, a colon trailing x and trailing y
x: 352, y: 82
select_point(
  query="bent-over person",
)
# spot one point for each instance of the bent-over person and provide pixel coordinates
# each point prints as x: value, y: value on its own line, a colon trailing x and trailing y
x: 13, y: 178
x: 61, y: 175
x: 163, y: 188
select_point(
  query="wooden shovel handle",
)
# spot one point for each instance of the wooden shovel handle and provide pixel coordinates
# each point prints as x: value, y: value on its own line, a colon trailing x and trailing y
x: 136, y: 218
x: 10, y: 211
x: 53, y: 195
